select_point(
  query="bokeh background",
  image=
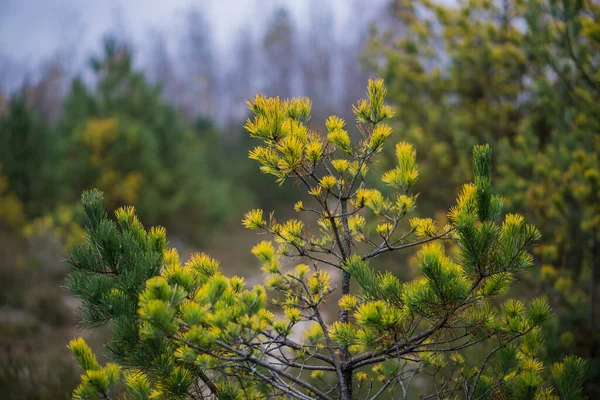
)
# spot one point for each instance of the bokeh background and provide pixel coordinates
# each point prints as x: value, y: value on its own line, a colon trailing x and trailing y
x: 146, y: 101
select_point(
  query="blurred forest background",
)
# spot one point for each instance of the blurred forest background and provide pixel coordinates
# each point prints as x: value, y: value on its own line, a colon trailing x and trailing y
x: 158, y: 124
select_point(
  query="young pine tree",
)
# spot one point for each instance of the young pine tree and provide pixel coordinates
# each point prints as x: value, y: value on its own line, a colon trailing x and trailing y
x: 328, y: 327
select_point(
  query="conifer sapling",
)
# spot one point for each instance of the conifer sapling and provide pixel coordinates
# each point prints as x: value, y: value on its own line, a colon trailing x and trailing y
x: 329, y: 326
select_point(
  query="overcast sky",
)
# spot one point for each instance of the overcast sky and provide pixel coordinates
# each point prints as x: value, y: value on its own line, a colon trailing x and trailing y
x: 33, y: 29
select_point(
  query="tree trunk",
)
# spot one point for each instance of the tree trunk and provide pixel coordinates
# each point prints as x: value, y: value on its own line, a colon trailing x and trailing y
x: 346, y: 384
x: 593, y: 282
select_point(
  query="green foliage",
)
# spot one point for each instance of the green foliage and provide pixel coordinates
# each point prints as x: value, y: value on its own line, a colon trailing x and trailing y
x: 110, y: 270
x: 185, y: 330
x: 95, y: 380
x: 27, y: 148
x: 123, y: 138
x: 568, y: 377
x: 521, y: 76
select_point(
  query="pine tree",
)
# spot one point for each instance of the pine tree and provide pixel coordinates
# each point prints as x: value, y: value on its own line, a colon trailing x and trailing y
x: 521, y: 76
x: 122, y: 137
x: 26, y: 148
x: 324, y: 324
x: 554, y: 167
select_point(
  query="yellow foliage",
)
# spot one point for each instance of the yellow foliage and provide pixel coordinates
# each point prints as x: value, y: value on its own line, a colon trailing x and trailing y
x: 328, y: 182
x: 298, y: 206
x: 11, y: 208
x: 253, y: 219
x: 98, y: 133
x: 340, y: 138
